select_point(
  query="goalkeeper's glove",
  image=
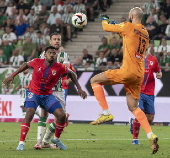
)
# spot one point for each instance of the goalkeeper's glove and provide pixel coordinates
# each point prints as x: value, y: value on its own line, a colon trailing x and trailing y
x: 104, y: 17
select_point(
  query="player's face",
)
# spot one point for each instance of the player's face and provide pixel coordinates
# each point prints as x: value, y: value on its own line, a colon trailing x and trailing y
x: 51, y: 55
x: 55, y: 41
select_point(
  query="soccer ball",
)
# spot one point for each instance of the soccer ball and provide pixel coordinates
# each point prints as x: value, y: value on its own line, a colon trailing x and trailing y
x: 79, y: 20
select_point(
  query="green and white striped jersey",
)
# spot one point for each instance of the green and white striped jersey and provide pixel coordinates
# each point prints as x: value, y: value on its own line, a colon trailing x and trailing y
x: 24, y: 81
x: 62, y: 57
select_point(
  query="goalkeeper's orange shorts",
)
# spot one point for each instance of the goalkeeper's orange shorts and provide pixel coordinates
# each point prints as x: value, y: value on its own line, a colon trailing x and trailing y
x: 132, y: 83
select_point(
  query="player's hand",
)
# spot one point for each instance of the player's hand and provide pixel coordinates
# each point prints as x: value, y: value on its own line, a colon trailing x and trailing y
x: 104, y: 17
x: 8, y: 80
x: 67, y: 81
x: 82, y: 93
x: 159, y: 75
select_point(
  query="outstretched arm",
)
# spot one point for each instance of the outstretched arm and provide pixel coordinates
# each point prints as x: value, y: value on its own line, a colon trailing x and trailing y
x: 22, y: 68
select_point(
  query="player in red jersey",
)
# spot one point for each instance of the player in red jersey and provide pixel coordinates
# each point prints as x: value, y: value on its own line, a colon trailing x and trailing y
x: 146, y: 102
x: 46, y: 73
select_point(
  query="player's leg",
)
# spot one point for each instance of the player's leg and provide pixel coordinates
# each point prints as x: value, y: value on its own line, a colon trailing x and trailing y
x: 31, y: 106
x: 52, y: 105
x: 51, y: 129
x: 132, y: 96
x: 96, y: 82
x: 41, y: 128
x: 22, y: 106
x: 135, y: 125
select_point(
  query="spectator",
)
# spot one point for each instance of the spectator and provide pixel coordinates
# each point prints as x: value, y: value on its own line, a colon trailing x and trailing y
x: 89, y: 66
x: 110, y: 65
x: 44, y: 28
x: 7, y: 49
x: 151, y: 26
x: 43, y: 15
x: 115, y: 57
x: 154, y: 14
x: 10, y: 23
x: 123, y: 19
x: 13, y: 16
x: 21, y: 28
x: 29, y: 49
x: 17, y: 59
x: 113, y: 44
x: 21, y: 15
x: 53, y: 16
x: 9, y: 35
x: 32, y: 18
x: 104, y: 47
x: 91, y: 7
x: 161, y: 28
x: 113, y: 35
x: 166, y: 9
x: 37, y: 7
x: 31, y: 33
x: 167, y: 31
x: 86, y: 56
x: 164, y: 60
x: 3, y: 58
x: 47, y: 3
x: 3, y: 18
x: 147, y: 8
x: 67, y: 24
x: 9, y: 8
x: 102, y: 66
x: 3, y: 6
x: 101, y: 58
x: 79, y: 7
x: 23, y: 6
x: 40, y: 42
x: 57, y: 4
x: 67, y: 3
x: 152, y: 49
x: 78, y: 65
x: 57, y: 27
x: 164, y: 48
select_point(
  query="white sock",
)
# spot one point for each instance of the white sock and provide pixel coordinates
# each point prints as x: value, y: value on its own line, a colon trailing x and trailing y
x: 149, y: 135
x: 22, y: 142
x: 48, y: 135
x: 56, y: 138
x: 41, y: 131
x: 106, y: 112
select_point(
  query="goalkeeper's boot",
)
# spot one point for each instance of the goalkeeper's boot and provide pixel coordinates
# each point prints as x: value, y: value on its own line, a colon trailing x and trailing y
x: 154, y: 143
x: 58, y: 142
x: 131, y: 125
x: 103, y: 118
x: 20, y: 147
x: 38, y: 145
x: 67, y: 122
x: 48, y: 145
x: 135, y: 142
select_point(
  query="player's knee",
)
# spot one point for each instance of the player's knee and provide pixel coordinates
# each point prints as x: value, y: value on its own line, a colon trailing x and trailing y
x: 93, y: 80
x: 61, y: 117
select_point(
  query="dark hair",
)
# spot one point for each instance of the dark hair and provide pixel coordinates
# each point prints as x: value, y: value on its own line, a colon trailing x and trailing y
x: 49, y: 47
x: 161, y: 54
x: 54, y: 33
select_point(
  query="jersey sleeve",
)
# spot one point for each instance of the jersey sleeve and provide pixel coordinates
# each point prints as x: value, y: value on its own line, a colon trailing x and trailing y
x: 33, y: 62
x: 157, y: 68
x: 118, y: 28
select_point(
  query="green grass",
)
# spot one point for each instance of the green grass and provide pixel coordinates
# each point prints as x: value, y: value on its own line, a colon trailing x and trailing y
x: 85, y: 141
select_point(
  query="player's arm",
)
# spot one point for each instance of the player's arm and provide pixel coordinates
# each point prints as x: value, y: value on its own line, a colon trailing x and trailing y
x: 22, y: 68
x: 73, y: 77
x: 111, y: 26
x: 157, y: 70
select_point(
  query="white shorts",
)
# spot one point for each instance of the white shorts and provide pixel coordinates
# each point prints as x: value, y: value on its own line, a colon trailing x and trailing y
x: 61, y: 97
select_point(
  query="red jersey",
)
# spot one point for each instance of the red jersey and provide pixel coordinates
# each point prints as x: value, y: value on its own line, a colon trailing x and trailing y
x: 64, y: 85
x: 45, y: 77
x: 151, y: 66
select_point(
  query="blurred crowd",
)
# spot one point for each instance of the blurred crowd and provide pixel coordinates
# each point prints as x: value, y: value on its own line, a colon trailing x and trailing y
x: 25, y: 25
x: 109, y: 54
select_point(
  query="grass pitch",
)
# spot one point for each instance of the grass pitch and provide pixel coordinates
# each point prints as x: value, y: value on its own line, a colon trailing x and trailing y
x: 85, y: 141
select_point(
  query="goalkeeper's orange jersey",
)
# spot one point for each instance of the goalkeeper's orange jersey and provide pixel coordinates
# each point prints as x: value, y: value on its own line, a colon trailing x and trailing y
x: 135, y: 43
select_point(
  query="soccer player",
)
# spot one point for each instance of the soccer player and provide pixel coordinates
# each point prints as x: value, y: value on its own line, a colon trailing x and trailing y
x: 58, y: 92
x: 46, y: 73
x: 146, y: 101
x: 135, y: 43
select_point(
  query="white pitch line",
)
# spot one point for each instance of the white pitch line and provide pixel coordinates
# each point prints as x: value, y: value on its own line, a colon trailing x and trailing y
x: 83, y: 139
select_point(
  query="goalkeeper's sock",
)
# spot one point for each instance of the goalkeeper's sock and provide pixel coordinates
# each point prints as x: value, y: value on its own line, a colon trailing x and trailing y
x: 49, y: 132
x: 136, y: 129
x: 41, y: 128
x: 100, y: 96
